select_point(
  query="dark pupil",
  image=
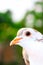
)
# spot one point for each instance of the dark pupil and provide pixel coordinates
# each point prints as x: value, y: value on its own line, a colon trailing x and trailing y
x: 27, y: 33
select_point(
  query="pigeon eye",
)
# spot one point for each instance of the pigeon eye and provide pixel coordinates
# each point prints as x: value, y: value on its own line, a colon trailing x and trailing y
x: 27, y: 33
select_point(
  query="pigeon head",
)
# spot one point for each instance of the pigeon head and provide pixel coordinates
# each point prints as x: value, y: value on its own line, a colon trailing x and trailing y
x: 25, y: 36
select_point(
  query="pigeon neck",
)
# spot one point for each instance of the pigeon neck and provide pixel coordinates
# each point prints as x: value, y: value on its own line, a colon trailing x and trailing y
x: 35, y: 62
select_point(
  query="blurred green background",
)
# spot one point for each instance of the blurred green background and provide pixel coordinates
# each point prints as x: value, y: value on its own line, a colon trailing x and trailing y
x: 8, y: 30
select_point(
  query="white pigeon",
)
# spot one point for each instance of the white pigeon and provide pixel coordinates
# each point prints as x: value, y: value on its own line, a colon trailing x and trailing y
x: 32, y: 43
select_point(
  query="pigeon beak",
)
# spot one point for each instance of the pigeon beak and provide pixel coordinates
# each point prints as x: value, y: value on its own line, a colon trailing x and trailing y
x: 15, y: 41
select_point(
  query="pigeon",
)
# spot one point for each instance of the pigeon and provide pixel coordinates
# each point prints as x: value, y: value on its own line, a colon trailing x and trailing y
x: 31, y: 41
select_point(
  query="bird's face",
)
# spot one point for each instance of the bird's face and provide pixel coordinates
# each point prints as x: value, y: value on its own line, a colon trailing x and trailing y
x: 25, y: 36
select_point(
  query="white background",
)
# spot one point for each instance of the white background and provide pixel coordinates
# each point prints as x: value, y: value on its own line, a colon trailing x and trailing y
x: 17, y: 7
